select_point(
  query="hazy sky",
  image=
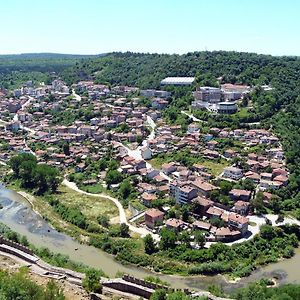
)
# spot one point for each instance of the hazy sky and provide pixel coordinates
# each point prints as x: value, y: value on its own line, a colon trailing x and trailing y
x: 163, y: 26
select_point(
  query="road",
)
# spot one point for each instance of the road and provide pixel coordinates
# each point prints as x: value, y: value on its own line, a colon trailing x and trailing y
x: 122, y: 215
x: 192, y: 117
x: 76, y: 96
x: 136, y: 153
x: 259, y: 221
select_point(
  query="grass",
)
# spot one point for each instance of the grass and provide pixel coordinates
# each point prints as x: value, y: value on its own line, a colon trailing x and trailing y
x: 90, y: 206
x: 156, y: 162
x: 215, y: 167
x: 252, y: 223
x: 93, y: 189
x: 243, y: 112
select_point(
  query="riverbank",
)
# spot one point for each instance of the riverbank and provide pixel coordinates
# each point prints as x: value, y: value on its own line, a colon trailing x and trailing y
x: 37, y: 232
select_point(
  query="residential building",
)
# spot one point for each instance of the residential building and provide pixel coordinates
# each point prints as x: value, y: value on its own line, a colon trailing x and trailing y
x: 238, y: 222
x: 153, y: 217
x: 233, y: 173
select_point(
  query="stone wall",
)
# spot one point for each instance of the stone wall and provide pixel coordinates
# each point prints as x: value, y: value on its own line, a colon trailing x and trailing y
x: 15, y: 245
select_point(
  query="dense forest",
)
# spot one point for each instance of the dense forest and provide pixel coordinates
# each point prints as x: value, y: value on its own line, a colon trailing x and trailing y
x: 38, y: 67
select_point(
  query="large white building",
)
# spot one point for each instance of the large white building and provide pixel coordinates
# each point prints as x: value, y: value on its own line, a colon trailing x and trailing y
x: 177, y: 81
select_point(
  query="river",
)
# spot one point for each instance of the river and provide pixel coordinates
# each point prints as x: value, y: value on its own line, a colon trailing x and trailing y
x: 17, y: 214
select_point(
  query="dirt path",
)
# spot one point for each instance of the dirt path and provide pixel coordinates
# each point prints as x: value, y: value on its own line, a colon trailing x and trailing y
x: 122, y: 214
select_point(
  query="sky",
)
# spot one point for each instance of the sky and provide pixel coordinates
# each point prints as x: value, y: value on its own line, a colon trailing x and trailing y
x: 154, y: 26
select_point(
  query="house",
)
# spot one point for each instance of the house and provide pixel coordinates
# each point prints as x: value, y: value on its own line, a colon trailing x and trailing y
x: 147, y: 188
x: 204, y: 188
x: 255, y: 177
x: 281, y: 178
x: 159, y: 103
x: 233, y: 173
x: 266, y: 176
x: 237, y: 194
x: 238, y: 222
x: 210, y: 154
x: 241, y: 207
x: 182, y: 192
x: 151, y: 173
x: 175, y: 224
x: 185, y: 194
x: 229, y: 153
x: 212, y: 145
x: 199, y: 168
x: 169, y: 168
x: 146, y: 152
x: 202, y: 205
x: 80, y: 167
x: 153, y: 217
x: 214, y: 212
x: 192, y: 128
x: 201, y: 225
x: 148, y: 199
x: 224, y: 234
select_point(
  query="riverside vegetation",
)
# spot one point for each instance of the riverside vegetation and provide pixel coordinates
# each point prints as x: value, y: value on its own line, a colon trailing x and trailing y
x: 170, y: 257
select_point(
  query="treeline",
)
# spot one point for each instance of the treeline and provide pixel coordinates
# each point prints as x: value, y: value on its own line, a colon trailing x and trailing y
x: 147, y: 70
x: 41, y: 177
x: 15, y: 70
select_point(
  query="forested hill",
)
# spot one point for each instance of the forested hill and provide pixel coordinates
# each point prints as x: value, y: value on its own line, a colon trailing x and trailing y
x: 147, y: 70
x: 17, y: 69
x: 279, y: 108
x: 44, y: 62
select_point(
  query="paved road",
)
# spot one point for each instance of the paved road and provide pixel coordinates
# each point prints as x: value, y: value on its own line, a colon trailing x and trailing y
x: 122, y: 215
x: 136, y: 154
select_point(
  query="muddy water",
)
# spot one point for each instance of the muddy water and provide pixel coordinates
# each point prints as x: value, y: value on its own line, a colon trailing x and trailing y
x: 17, y: 214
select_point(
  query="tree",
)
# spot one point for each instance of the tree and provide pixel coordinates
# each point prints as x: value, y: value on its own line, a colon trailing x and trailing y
x: 26, y: 172
x: 103, y: 220
x: 91, y: 282
x: 46, y: 178
x: 124, y: 230
x: 258, y: 203
x: 125, y: 189
x: 66, y: 149
x: 159, y: 294
x: 149, y: 244
x: 113, y: 177
x: 199, y: 238
x: 185, y: 213
x: 168, y: 239
x: 16, y: 161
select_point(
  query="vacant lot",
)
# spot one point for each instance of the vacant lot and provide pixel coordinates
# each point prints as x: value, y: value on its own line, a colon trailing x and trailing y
x: 90, y: 206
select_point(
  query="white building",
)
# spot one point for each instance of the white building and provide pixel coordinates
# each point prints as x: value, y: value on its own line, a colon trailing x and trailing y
x: 233, y: 173
x: 177, y: 81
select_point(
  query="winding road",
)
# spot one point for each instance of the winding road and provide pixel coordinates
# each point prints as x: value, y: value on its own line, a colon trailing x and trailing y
x: 122, y: 215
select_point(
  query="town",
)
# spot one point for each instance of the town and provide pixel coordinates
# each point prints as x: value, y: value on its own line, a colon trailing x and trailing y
x: 208, y: 182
